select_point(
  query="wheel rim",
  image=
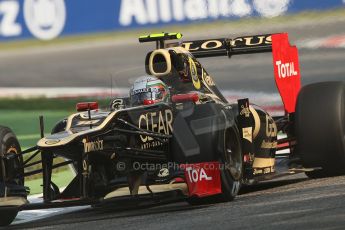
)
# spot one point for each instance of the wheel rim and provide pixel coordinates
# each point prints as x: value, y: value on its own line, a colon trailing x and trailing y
x: 233, y: 155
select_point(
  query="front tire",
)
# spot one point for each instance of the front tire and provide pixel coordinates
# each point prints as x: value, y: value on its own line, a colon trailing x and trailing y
x: 320, y: 128
x: 7, y: 215
x: 232, y: 159
x: 11, y: 165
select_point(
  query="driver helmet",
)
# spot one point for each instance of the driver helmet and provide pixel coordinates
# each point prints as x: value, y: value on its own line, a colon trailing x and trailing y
x: 148, y: 90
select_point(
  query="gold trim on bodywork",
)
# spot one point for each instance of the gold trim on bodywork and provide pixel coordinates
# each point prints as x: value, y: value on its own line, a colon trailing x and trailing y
x: 72, y: 136
x: 194, y: 74
x: 154, y: 188
x: 248, y: 134
x: 180, y: 50
x: 166, y: 55
x: 256, y: 121
x: 263, y: 166
x: 263, y: 162
x: 269, y: 144
x: 13, y: 201
x: 70, y: 120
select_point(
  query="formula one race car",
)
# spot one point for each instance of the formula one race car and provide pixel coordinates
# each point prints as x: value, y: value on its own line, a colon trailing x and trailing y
x: 194, y: 146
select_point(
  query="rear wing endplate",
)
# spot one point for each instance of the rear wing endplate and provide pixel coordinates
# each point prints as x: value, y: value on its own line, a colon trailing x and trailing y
x: 285, y: 59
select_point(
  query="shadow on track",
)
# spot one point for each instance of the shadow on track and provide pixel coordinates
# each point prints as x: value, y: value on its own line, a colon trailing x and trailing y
x: 269, y: 184
x: 98, y: 214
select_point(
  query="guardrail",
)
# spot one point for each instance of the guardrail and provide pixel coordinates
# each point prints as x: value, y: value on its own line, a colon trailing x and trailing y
x: 48, y: 19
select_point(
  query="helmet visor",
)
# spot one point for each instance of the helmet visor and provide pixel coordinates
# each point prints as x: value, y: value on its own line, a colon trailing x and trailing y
x: 139, y: 98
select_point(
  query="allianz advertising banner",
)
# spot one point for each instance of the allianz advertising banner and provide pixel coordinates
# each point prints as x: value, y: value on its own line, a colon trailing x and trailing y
x: 48, y: 19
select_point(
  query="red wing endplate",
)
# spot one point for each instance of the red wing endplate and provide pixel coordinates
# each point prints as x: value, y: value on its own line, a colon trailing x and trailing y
x: 203, y: 179
x: 285, y: 58
x: 286, y: 70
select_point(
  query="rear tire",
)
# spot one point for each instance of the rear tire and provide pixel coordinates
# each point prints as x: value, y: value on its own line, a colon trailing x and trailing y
x: 320, y: 128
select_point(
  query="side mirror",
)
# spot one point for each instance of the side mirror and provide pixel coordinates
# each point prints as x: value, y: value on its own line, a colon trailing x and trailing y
x: 85, y: 106
x: 188, y: 97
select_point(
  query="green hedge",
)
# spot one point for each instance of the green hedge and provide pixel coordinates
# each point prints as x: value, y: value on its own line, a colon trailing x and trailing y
x: 21, y: 115
x: 67, y: 104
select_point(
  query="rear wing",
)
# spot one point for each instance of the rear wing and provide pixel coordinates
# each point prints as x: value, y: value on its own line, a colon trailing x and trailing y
x: 285, y: 59
x: 229, y: 47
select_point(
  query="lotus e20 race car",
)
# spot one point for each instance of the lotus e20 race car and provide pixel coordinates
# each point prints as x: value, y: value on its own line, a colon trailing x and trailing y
x: 197, y: 147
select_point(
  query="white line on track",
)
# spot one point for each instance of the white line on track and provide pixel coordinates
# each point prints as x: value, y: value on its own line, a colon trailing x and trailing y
x: 333, y: 41
x: 32, y: 215
x: 269, y: 101
x: 60, y: 92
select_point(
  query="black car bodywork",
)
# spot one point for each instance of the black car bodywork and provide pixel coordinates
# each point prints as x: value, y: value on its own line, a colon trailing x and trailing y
x: 133, y: 153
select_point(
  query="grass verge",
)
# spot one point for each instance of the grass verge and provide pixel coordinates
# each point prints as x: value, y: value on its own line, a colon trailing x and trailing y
x: 25, y: 125
x: 61, y: 179
x: 45, y: 104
